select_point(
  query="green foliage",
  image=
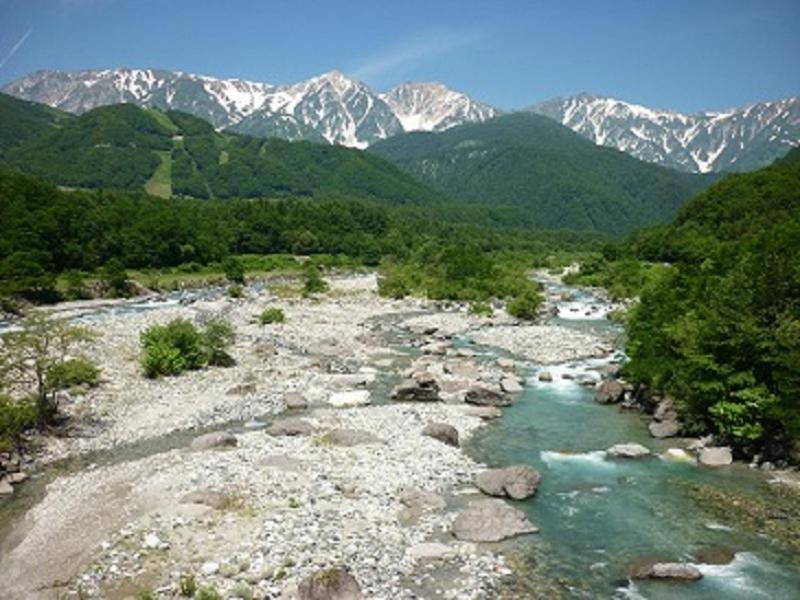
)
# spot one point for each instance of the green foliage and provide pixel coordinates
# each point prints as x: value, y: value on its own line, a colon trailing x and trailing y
x: 622, y: 278
x: 115, y: 277
x: 313, y: 283
x: 72, y: 373
x: 525, y: 306
x: 481, y: 308
x: 15, y: 417
x: 533, y: 162
x: 208, y: 593
x: 180, y: 346
x: 38, y: 348
x: 235, y: 291
x: 75, y: 285
x: 272, y: 315
x: 720, y: 328
x: 187, y: 585
x: 233, y: 269
x: 27, y: 274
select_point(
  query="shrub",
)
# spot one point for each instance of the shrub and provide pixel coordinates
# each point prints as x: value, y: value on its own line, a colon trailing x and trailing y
x: 72, y: 373
x: 179, y: 346
x: 525, y: 306
x: 217, y: 337
x: 272, y: 315
x: 15, y: 417
x: 116, y: 278
x: 208, y: 593
x: 313, y: 283
x: 393, y: 285
x: 76, y: 288
x: 233, y: 269
x: 188, y: 585
x: 481, y: 308
x: 235, y: 291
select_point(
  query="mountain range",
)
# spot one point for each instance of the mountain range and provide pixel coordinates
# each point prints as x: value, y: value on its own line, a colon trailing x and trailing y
x: 335, y: 109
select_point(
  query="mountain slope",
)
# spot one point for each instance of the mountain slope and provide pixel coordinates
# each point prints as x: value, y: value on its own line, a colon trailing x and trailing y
x: 329, y: 108
x: 127, y: 147
x: 741, y: 139
x: 21, y: 120
x: 434, y: 107
x: 529, y: 160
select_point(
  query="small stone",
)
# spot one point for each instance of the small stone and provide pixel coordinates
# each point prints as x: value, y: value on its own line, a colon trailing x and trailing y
x: 295, y: 400
x: 430, y: 551
x: 349, y: 399
x: 678, y: 454
x: 484, y: 412
x: 349, y: 437
x: 330, y: 584
x: 715, y: 456
x: 290, y: 427
x: 545, y: 376
x: 219, y: 439
x: 209, y: 568
x: 628, y: 451
x: 510, y: 386
x: 443, y: 432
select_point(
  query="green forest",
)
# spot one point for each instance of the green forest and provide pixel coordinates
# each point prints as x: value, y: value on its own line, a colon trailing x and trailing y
x: 718, y: 323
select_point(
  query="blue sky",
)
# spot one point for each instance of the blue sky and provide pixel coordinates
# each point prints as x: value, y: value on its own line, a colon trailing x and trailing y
x: 686, y: 55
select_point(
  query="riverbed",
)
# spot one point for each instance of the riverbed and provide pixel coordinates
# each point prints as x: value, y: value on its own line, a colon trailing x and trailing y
x: 104, y: 515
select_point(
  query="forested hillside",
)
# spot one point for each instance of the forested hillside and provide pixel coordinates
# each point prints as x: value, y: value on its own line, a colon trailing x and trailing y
x: 562, y: 179
x: 719, y: 328
x: 126, y: 147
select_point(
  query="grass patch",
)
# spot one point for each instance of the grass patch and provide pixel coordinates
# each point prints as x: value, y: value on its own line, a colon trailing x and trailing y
x: 160, y: 184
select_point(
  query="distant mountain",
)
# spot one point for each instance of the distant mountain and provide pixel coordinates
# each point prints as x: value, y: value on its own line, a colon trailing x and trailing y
x: 127, y: 147
x: 434, y: 107
x: 329, y: 108
x: 562, y: 179
x: 740, y: 139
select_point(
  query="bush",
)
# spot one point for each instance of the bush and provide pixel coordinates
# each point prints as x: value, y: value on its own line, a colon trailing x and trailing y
x: 15, y: 417
x: 72, y: 373
x: 179, y: 346
x: 272, y: 315
x: 393, y: 285
x: 481, y: 308
x: 76, y: 288
x: 233, y: 269
x: 217, y: 337
x: 313, y: 283
x: 525, y: 306
x: 235, y: 291
x: 188, y: 585
x: 208, y: 593
x: 116, y: 278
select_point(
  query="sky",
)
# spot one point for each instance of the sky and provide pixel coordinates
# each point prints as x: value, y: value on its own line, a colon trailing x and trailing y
x: 682, y: 55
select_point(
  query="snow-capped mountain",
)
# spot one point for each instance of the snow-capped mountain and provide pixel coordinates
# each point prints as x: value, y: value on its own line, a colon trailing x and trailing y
x: 739, y: 139
x: 329, y: 108
x: 434, y: 107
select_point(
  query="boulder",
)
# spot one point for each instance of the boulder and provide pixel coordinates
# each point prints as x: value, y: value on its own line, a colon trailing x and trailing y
x: 628, y: 451
x: 443, y: 432
x: 506, y: 363
x: 671, y: 571
x: 545, y: 376
x: 6, y: 489
x: 510, y: 385
x: 484, y: 412
x: 482, y: 396
x: 290, y: 427
x: 350, y: 437
x: 17, y: 477
x: 329, y: 584
x: 295, y: 400
x: 678, y: 455
x: 609, y: 392
x: 463, y: 369
x: 422, y: 500
x: 491, y: 521
x: 715, y: 555
x: 435, y: 348
x: 517, y: 482
x: 217, y: 439
x: 664, y: 429
x: 349, y: 399
x: 715, y: 456
x: 430, y: 551
x: 420, y: 388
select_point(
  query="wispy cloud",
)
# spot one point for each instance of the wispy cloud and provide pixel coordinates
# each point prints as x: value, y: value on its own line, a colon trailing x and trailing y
x: 416, y: 51
x: 16, y: 47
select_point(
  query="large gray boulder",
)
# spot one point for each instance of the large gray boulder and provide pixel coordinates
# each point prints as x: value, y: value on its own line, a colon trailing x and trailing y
x: 517, y: 482
x: 671, y: 571
x: 290, y: 427
x: 487, y: 413
x: 295, y: 400
x: 491, y: 521
x: 443, y: 432
x: 715, y: 456
x: 510, y: 385
x: 420, y: 388
x: 610, y: 392
x: 217, y: 439
x: 664, y: 429
x: 628, y: 451
x: 329, y: 584
x: 483, y: 396
x: 350, y: 437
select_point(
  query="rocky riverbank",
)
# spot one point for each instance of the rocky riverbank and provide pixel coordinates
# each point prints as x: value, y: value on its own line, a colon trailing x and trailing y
x: 382, y: 491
